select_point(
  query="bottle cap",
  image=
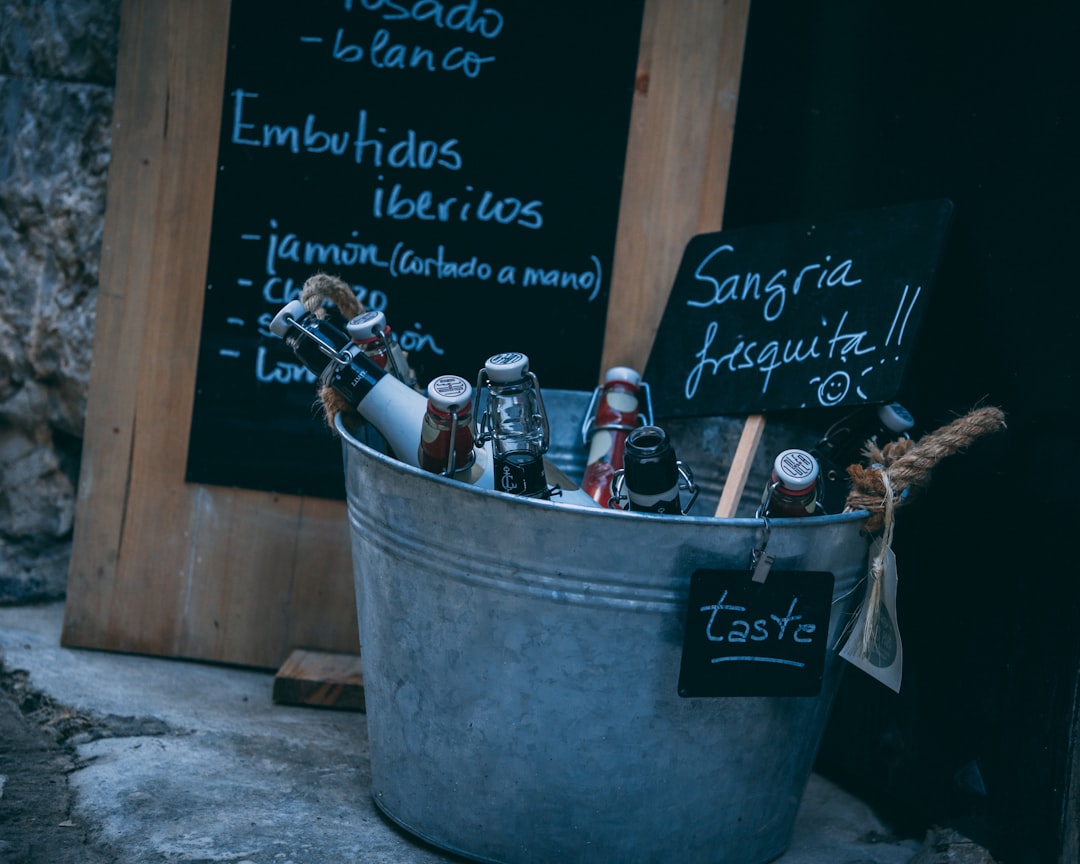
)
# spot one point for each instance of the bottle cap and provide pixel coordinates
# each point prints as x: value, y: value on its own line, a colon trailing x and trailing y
x: 507, y: 367
x: 895, y: 417
x: 796, y: 469
x: 293, y: 309
x: 366, y: 326
x: 450, y: 393
x: 623, y: 373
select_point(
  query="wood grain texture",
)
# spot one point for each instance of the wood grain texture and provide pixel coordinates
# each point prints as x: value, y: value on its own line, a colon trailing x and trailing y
x: 682, y: 124
x: 322, y: 679
x: 168, y: 568
x: 160, y: 566
x: 741, y: 463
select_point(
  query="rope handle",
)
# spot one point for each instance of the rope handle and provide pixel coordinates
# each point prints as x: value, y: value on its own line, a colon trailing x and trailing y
x: 901, y: 469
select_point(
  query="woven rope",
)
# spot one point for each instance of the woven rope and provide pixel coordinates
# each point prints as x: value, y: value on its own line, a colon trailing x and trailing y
x: 317, y: 291
x: 323, y: 287
x: 908, y: 464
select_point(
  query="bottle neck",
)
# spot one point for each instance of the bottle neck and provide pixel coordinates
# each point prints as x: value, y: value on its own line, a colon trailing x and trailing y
x: 514, y: 419
x: 442, y: 435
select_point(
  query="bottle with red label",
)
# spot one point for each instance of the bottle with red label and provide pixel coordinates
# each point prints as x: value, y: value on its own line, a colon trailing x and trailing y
x: 373, y: 335
x: 612, y: 415
x: 446, y: 435
x: 793, y: 488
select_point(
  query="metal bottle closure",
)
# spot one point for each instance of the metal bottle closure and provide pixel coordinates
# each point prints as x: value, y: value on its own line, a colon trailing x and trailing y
x: 842, y: 442
x: 370, y: 331
x: 613, y: 413
x: 394, y: 409
x: 515, y: 422
x: 792, y: 491
x: 652, y: 478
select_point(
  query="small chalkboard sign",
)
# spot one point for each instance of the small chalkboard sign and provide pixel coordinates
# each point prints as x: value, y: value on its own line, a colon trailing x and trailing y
x: 814, y: 313
x: 747, y: 638
x: 458, y: 164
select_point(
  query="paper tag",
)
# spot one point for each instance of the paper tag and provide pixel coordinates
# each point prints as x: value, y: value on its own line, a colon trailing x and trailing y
x: 874, y: 642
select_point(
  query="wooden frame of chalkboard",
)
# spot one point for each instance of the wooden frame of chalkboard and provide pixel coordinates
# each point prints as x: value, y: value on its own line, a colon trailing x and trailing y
x: 191, y: 569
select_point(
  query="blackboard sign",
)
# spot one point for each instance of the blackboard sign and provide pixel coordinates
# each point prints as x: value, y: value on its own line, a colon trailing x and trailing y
x: 747, y: 638
x: 459, y: 164
x: 802, y: 314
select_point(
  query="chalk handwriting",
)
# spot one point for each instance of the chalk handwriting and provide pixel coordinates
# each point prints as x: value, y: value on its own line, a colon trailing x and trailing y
x: 291, y: 248
x: 468, y: 205
x: 367, y: 143
x: 741, y: 287
x: 724, y: 625
x: 384, y: 53
x: 280, y: 371
x: 288, y: 250
x: 466, y: 17
x: 836, y: 343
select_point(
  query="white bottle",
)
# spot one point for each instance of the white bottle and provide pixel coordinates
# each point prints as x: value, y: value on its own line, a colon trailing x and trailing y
x: 392, y: 407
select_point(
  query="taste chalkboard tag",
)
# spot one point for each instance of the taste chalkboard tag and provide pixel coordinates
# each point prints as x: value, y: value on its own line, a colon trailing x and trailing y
x: 746, y: 638
x: 804, y: 314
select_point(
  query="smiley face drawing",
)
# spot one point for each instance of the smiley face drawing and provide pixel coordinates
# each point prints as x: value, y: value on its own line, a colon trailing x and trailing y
x: 833, y: 389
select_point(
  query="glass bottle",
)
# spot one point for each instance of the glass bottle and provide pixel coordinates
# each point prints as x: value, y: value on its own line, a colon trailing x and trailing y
x: 652, y: 478
x: 606, y: 428
x: 446, y: 435
x: 515, y: 423
x: 842, y: 445
x: 370, y: 331
x: 793, y: 488
x: 394, y: 409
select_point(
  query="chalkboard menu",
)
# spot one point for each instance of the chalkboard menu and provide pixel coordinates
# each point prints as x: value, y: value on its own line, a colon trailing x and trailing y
x: 814, y: 313
x: 458, y: 164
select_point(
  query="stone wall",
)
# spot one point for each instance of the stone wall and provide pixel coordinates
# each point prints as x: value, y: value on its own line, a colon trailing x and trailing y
x: 57, y: 70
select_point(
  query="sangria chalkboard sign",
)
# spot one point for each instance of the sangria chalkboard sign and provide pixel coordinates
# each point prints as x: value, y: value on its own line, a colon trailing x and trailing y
x: 459, y: 164
x: 802, y: 314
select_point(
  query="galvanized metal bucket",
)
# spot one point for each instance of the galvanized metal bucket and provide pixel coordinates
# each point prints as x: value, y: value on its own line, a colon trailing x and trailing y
x: 521, y: 662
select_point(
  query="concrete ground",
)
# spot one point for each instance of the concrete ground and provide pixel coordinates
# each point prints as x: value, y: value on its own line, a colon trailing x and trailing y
x: 151, y: 760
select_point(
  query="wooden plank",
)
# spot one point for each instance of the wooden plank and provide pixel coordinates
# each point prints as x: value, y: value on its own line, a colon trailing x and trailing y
x: 160, y: 566
x: 679, y: 150
x: 741, y: 464
x: 105, y: 472
x: 322, y: 679
x: 187, y: 570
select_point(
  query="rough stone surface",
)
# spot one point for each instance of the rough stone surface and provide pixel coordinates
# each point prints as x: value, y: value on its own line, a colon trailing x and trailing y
x: 142, y: 760
x: 57, y: 68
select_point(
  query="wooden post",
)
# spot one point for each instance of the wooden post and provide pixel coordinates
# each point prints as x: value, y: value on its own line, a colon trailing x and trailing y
x: 747, y: 448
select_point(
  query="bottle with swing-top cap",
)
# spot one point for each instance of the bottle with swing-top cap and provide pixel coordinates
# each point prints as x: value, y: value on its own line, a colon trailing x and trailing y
x: 370, y: 331
x: 612, y: 415
x: 392, y: 407
x: 652, y: 478
x: 514, y: 425
x: 793, y: 487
